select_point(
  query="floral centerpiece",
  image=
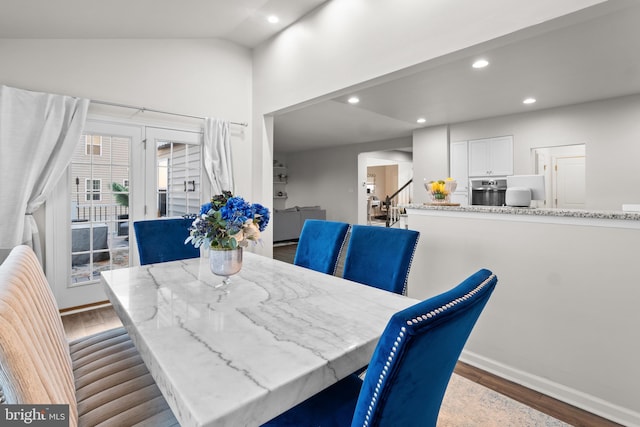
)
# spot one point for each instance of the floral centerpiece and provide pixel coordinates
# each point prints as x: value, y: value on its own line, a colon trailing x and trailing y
x: 228, y: 222
x: 441, y: 190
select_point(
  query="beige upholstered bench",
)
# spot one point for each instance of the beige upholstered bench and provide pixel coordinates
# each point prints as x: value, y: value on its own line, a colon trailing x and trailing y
x: 101, y: 377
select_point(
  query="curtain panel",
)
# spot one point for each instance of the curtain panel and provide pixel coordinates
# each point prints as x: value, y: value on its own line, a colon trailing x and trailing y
x: 38, y: 135
x: 217, y: 155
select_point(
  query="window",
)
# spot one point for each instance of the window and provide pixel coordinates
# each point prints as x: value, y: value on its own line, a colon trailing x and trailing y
x: 93, y: 145
x: 92, y: 188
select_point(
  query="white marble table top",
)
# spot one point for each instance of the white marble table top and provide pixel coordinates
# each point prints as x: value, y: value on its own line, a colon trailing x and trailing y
x: 281, y: 334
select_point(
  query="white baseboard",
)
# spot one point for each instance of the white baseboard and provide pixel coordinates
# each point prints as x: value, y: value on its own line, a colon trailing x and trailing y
x: 565, y: 394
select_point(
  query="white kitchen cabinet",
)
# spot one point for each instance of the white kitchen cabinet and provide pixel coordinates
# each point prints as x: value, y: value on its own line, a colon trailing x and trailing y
x: 459, y: 170
x: 491, y: 156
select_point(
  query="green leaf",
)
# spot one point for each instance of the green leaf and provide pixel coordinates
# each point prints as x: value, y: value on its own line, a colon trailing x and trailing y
x: 121, y: 194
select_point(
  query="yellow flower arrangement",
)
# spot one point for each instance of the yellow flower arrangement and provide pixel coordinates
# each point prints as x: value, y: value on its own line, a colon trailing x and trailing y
x: 441, y: 189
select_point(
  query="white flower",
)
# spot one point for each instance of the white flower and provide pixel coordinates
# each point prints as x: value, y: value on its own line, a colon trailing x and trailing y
x: 251, y: 230
x: 248, y: 232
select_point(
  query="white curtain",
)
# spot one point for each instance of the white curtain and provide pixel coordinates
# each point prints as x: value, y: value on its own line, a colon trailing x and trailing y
x: 38, y: 135
x: 217, y: 155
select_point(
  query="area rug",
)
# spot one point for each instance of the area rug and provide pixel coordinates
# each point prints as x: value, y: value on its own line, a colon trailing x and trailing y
x: 468, y: 404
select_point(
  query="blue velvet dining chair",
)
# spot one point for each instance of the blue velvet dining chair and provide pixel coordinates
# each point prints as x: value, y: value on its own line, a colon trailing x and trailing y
x: 320, y: 245
x: 162, y: 240
x: 410, y: 368
x: 380, y: 256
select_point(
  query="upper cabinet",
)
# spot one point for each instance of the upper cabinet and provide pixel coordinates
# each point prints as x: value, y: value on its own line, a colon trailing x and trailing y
x: 491, y: 156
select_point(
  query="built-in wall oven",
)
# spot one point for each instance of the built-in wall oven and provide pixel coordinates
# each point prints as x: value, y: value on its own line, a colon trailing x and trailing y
x: 488, y: 191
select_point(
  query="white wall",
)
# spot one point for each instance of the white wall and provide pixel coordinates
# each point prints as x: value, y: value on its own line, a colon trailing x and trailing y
x: 188, y: 76
x: 430, y: 158
x: 329, y: 178
x: 563, y: 317
x: 609, y: 128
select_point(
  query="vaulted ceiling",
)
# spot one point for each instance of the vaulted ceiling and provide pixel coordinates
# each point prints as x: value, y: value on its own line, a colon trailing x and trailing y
x: 240, y: 21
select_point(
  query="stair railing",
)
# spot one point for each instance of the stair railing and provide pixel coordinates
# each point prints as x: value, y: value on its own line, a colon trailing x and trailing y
x: 392, y: 217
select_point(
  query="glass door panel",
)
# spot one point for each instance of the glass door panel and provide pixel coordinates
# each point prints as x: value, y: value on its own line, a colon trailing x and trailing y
x: 99, y: 172
x: 178, y: 160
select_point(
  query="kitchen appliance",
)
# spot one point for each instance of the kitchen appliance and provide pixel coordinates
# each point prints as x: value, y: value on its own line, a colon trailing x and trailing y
x: 488, y: 191
x: 522, y: 189
x: 518, y: 196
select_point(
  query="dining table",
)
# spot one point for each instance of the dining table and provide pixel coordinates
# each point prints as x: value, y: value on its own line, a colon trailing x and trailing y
x: 242, y: 353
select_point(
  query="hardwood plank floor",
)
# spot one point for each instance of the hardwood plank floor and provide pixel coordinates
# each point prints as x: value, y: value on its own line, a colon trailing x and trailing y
x: 78, y: 325
x: 95, y: 320
x: 536, y: 400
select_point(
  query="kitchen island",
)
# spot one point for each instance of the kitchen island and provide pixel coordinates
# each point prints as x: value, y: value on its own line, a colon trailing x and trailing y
x: 564, y: 317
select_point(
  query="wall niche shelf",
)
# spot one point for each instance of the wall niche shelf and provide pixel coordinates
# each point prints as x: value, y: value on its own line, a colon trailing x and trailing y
x: 280, y: 179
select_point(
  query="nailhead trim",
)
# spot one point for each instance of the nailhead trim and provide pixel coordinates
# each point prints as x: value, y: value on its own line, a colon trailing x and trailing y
x: 344, y: 240
x: 406, y: 278
x: 401, y: 335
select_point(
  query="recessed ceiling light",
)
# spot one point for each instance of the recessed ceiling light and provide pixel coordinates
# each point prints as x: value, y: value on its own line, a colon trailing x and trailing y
x: 273, y: 19
x: 529, y: 101
x: 353, y: 100
x: 421, y: 120
x: 480, y: 63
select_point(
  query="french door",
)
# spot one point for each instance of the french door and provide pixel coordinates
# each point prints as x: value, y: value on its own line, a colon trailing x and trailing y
x: 174, y: 182
x: 119, y: 173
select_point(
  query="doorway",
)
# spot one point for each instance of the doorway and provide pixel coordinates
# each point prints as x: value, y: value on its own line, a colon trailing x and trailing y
x: 564, y: 168
x: 381, y: 174
x: 382, y: 180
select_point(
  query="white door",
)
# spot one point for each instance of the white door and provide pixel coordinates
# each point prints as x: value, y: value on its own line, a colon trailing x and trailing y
x: 90, y: 211
x: 175, y: 181
x: 173, y: 184
x: 119, y: 173
x: 569, y: 178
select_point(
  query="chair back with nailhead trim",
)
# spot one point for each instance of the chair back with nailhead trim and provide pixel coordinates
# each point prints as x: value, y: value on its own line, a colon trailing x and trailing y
x: 416, y: 354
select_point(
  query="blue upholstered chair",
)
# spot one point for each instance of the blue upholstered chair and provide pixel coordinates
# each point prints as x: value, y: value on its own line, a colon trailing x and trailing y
x: 380, y: 257
x: 320, y: 245
x: 410, y: 367
x: 162, y: 240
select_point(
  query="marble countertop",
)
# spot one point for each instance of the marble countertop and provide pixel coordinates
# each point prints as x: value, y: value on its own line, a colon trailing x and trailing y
x: 539, y: 212
x: 240, y: 356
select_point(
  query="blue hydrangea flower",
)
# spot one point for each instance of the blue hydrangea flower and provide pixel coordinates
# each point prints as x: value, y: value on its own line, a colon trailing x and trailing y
x: 262, y: 214
x: 236, y: 212
x: 204, y: 209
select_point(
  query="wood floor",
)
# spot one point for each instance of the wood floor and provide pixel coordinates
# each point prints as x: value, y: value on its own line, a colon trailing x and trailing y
x: 88, y: 322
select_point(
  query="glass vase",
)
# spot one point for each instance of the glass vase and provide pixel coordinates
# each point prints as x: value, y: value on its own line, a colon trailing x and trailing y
x: 225, y: 263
